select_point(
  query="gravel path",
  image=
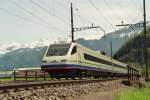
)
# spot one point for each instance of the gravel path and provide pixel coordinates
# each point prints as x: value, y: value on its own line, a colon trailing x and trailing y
x: 92, y: 91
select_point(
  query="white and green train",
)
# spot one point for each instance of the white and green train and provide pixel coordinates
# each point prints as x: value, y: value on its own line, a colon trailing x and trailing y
x: 74, y: 60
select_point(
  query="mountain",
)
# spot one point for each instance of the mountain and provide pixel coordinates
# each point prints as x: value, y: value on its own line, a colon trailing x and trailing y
x: 17, y: 55
x: 24, y: 57
x: 132, y: 50
x: 14, y: 46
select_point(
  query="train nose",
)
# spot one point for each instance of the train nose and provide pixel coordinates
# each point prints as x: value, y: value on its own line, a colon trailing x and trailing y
x: 44, y: 61
x: 43, y: 68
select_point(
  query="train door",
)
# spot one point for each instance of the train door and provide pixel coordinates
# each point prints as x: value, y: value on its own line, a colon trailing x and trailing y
x: 81, y: 72
x: 77, y: 52
x: 74, y: 54
x: 79, y: 55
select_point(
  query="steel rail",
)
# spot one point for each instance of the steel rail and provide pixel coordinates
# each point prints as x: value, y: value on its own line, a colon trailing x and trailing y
x: 27, y: 85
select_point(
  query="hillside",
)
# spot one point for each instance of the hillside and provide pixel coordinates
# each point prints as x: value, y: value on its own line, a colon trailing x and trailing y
x: 25, y: 57
x: 132, y: 50
x: 118, y: 38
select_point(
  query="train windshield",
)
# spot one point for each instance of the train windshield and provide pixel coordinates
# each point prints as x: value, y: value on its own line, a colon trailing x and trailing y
x: 58, y: 49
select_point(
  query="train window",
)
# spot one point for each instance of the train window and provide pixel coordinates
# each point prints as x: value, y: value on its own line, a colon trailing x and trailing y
x: 58, y: 50
x: 95, y: 59
x: 74, y: 50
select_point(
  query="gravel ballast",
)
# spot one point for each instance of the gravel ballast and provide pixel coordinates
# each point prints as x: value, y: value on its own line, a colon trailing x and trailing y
x: 61, y: 92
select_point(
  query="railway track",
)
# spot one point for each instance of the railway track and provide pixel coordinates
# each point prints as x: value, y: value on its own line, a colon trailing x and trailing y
x: 12, y: 87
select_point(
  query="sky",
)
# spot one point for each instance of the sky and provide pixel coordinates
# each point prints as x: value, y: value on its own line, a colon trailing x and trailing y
x: 29, y: 20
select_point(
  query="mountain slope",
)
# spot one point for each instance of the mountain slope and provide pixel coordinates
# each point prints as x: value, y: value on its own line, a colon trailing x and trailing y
x: 132, y: 50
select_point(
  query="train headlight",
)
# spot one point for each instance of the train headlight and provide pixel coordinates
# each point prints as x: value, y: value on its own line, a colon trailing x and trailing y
x: 44, y: 61
x: 63, y: 60
x: 53, y: 61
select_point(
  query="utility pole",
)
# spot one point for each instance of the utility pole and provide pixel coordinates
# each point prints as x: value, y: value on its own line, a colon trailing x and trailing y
x: 111, y: 54
x: 81, y: 28
x: 145, y: 42
x: 111, y: 49
x: 72, y: 28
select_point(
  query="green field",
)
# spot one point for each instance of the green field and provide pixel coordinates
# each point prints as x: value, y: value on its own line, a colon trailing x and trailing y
x: 136, y: 94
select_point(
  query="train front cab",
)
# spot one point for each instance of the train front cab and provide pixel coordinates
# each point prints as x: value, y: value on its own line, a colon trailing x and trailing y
x: 61, y: 64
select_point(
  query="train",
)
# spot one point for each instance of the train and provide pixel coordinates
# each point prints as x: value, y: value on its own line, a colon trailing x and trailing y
x: 73, y: 60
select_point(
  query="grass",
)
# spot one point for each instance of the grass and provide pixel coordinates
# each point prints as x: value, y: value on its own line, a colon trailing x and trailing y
x: 33, y: 78
x: 6, y: 79
x: 10, y: 79
x: 136, y: 94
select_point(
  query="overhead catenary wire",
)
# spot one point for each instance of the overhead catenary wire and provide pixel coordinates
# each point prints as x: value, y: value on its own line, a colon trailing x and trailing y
x: 124, y: 11
x: 78, y: 14
x: 100, y: 13
x: 85, y: 21
x: 141, y: 5
x: 61, y: 5
x: 29, y: 20
x: 80, y: 17
x: 18, y: 16
x: 51, y: 9
x: 111, y: 8
x: 33, y: 15
x: 29, y: 12
x: 68, y: 1
x: 138, y: 6
x: 49, y: 12
x: 139, y: 15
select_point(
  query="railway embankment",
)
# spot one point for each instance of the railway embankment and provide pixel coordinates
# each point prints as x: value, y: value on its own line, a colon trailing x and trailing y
x: 61, y: 92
